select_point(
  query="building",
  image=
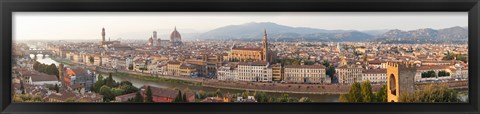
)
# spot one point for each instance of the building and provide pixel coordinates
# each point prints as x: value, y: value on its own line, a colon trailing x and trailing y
x: 349, y: 73
x: 400, y: 80
x: 243, y: 54
x: 175, y: 38
x: 227, y: 72
x: 258, y: 71
x: 277, y: 72
x: 165, y: 95
x: 305, y: 74
x: 42, y: 79
x: 436, y: 68
x: 78, y: 75
x: 125, y: 97
x: 177, y: 68
x: 375, y: 75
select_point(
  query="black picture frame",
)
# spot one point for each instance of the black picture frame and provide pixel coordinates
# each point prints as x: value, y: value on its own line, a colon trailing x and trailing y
x: 9, y: 6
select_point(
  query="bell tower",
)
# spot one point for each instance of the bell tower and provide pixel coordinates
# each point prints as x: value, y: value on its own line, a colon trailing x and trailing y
x: 103, y: 36
x: 265, y: 46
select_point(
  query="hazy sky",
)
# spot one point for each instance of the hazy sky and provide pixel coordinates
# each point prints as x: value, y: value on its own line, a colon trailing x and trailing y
x: 129, y: 25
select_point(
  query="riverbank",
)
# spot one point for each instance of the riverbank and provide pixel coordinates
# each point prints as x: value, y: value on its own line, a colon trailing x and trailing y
x: 242, y: 86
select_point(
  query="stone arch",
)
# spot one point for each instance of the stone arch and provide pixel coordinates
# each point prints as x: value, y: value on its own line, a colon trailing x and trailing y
x: 393, y: 85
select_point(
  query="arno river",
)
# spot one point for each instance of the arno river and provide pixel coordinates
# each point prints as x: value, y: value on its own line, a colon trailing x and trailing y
x: 138, y: 83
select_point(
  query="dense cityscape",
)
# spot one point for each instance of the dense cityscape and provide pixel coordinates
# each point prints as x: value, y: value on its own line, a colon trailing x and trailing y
x: 263, y: 70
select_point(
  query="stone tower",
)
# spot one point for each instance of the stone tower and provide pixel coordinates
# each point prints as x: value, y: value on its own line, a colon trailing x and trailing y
x: 265, y: 46
x: 60, y: 72
x: 155, y: 35
x: 103, y: 35
x: 400, y: 79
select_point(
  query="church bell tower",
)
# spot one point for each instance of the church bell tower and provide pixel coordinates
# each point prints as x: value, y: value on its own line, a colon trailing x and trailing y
x: 265, y: 46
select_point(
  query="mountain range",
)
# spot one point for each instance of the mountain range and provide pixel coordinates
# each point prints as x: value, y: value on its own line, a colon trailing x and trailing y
x: 277, y: 32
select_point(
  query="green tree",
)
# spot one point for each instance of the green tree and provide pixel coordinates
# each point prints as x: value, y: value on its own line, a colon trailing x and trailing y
x: 184, y: 97
x: 382, y: 94
x: 107, y: 93
x: 355, y: 94
x: 431, y: 93
x: 344, y: 98
x: 26, y: 98
x: 367, y: 95
x: 178, y: 98
x: 99, y: 83
x: 91, y: 59
x: 138, y: 98
x: 304, y: 99
x: 149, y: 96
x: 109, y: 81
x: 57, y: 89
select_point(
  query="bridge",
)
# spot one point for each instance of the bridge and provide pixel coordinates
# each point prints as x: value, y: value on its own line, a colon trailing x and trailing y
x: 36, y: 52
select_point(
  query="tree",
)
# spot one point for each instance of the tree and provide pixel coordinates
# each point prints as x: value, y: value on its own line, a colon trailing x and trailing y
x: 304, y: 99
x: 344, y: 98
x: 429, y: 74
x: 91, y: 59
x: 149, y: 98
x: 184, y: 97
x: 26, y: 98
x: 138, y: 98
x: 178, y: 98
x: 99, y: 83
x: 109, y: 81
x: 382, y: 94
x: 57, y: 89
x: 367, y: 94
x: 355, y: 94
x: 107, y: 93
x: 432, y: 93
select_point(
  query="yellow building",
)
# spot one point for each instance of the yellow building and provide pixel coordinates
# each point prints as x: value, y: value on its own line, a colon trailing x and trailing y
x: 277, y: 72
x: 176, y: 68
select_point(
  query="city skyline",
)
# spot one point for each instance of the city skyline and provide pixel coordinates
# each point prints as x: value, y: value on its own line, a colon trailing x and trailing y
x: 27, y: 25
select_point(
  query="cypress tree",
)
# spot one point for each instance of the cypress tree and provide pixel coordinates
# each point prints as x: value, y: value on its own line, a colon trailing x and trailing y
x: 184, y: 98
x: 367, y: 94
x: 149, y: 98
x: 138, y: 98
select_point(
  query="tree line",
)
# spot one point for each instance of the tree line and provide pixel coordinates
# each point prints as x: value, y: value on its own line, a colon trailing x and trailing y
x: 431, y: 74
x: 47, y: 69
x: 363, y: 93
x: 109, y: 88
x: 430, y: 93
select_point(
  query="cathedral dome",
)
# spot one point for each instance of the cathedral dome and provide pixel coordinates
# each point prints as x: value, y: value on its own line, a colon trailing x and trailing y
x: 175, y: 35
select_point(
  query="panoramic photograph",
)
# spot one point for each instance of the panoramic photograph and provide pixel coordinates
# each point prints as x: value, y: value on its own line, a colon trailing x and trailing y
x: 238, y: 57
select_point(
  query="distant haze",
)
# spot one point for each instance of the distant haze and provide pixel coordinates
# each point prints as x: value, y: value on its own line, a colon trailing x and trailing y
x: 140, y: 25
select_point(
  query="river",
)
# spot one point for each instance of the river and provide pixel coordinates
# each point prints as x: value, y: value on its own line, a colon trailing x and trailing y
x: 138, y: 83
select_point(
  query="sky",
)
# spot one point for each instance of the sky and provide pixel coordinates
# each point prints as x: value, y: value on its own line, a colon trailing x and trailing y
x: 140, y: 25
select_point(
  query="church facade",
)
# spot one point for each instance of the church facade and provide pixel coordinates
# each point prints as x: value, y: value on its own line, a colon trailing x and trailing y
x: 243, y: 54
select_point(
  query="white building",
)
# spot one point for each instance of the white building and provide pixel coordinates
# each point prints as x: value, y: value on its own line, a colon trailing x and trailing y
x: 227, y: 72
x: 42, y: 79
x: 375, y: 75
x: 305, y: 74
x: 254, y: 71
x: 349, y: 74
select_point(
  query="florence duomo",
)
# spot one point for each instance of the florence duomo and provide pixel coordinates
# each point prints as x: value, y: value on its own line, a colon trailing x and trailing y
x: 175, y: 40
